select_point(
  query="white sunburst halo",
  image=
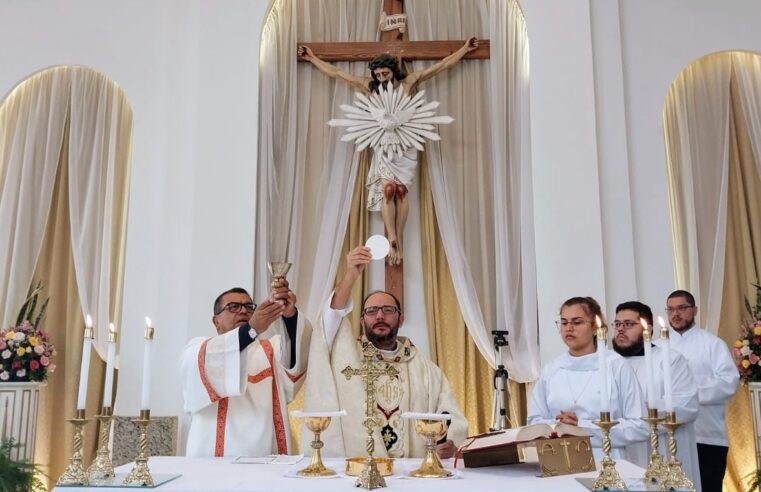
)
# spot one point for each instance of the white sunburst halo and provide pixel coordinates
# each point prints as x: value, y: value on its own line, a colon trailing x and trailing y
x: 390, y: 122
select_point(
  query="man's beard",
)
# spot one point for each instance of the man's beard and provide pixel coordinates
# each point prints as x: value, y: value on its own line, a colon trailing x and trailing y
x: 636, y: 348
x: 381, y: 339
x: 385, y: 84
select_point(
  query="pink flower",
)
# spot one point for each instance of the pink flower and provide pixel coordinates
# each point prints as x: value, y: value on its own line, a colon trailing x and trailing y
x: 735, y: 353
x: 756, y: 340
x: 3, y: 345
x: 745, y: 351
x: 4, y: 375
x: 34, y: 365
x: 44, y: 361
x: 21, y: 373
x: 15, y: 364
x: 51, y: 368
x: 6, y: 354
x: 39, y: 349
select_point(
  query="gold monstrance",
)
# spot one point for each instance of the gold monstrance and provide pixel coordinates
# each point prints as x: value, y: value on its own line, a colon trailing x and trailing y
x: 371, y: 371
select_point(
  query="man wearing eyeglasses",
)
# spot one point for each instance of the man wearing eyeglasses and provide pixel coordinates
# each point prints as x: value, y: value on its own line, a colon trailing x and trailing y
x: 628, y: 341
x: 716, y: 376
x: 238, y: 383
x: 420, y: 386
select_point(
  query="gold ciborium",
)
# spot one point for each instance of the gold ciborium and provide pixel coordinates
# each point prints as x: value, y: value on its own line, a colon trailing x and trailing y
x: 316, y: 422
x: 432, y: 426
x: 278, y: 271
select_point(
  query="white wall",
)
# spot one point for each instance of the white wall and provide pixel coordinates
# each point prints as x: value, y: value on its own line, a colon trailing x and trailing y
x: 600, y: 72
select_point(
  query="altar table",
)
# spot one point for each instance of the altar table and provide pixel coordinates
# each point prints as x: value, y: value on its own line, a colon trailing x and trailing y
x: 221, y: 475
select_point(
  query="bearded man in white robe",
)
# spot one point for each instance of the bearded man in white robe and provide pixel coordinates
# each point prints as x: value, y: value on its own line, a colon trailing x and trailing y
x: 419, y: 387
x: 628, y: 341
x: 237, y: 384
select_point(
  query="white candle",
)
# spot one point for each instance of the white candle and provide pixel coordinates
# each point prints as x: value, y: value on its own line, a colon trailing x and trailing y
x: 84, y: 368
x: 108, y: 388
x: 649, y: 380
x: 145, y: 395
x: 603, y: 366
x: 666, y: 346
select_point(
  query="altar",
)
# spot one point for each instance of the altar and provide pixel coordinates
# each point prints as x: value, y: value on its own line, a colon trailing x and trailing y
x: 221, y: 474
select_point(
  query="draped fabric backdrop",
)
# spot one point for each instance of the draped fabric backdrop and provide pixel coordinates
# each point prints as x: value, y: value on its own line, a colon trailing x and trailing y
x: 712, y: 122
x: 65, y: 143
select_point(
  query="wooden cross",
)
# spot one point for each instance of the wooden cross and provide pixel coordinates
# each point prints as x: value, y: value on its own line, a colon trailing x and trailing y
x: 391, y: 42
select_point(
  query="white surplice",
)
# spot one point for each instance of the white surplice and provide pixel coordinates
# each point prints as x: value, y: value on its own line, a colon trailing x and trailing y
x: 685, y: 396
x: 571, y: 383
x: 237, y: 399
x: 420, y: 387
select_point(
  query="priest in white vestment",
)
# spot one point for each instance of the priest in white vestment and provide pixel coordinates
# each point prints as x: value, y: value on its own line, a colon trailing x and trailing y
x: 238, y: 383
x: 420, y: 386
x: 568, y: 389
x: 628, y: 341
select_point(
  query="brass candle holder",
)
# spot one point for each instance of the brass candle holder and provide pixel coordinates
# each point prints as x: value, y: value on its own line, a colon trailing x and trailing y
x: 675, y: 479
x: 608, y: 479
x: 140, y: 473
x: 432, y: 431
x: 656, y: 467
x: 102, y: 470
x: 75, y: 472
x: 316, y: 467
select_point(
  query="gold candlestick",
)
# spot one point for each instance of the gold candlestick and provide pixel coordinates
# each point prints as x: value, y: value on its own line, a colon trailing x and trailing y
x: 75, y: 472
x: 316, y: 467
x: 675, y: 476
x: 656, y: 468
x: 101, y: 469
x: 431, y: 467
x: 608, y: 479
x: 140, y: 473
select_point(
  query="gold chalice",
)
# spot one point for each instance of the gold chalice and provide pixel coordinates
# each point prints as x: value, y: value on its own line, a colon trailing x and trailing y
x: 278, y: 271
x: 317, y: 422
x: 432, y: 427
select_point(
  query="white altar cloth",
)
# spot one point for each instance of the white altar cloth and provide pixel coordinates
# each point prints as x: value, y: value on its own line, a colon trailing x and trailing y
x: 221, y: 475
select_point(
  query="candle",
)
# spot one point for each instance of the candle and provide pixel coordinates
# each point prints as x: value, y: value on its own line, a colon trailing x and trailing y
x: 603, y: 366
x: 649, y: 381
x: 84, y: 368
x: 666, y: 346
x: 109, y: 385
x: 145, y: 395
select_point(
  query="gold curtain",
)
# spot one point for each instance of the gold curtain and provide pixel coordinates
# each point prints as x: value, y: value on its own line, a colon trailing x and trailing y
x: 64, y: 322
x: 742, y: 267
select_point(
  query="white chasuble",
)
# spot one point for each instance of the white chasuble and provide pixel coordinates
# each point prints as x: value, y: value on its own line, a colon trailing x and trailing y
x: 420, y: 387
x: 573, y: 384
x: 237, y: 399
x: 685, y: 395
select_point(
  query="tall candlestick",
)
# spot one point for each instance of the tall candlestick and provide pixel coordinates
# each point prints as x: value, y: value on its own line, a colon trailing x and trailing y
x: 603, y: 366
x: 145, y: 396
x: 109, y: 385
x: 666, y: 346
x: 649, y: 380
x: 84, y: 368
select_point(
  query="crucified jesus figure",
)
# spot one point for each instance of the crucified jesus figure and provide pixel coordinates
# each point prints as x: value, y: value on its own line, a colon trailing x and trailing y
x: 388, y: 180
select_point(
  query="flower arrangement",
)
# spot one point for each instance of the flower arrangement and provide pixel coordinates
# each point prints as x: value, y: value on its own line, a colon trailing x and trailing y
x: 747, y: 348
x: 25, y: 350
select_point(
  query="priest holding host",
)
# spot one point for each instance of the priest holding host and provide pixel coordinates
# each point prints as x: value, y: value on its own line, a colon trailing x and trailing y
x: 238, y: 383
x: 420, y: 385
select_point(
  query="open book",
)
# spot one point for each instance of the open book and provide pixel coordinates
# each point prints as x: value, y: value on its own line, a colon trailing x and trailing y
x: 521, y: 435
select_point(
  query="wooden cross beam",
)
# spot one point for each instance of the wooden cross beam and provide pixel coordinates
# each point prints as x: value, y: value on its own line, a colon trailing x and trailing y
x: 391, y: 42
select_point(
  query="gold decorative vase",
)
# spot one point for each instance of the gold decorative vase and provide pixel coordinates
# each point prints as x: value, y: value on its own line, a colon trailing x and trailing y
x: 432, y: 431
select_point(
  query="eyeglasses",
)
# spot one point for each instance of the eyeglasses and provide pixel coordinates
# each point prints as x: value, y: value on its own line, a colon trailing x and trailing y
x: 682, y: 308
x: 626, y: 324
x: 387, y: 310
x: 237, y: 307
x: 575, y: 322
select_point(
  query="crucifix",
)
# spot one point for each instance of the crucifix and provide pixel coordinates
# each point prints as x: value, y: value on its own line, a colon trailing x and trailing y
x: 371, y: 371
x: 388, y: 193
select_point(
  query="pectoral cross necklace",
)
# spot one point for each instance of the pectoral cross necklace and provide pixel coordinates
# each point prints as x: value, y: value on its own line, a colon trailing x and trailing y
x: 574, y: 396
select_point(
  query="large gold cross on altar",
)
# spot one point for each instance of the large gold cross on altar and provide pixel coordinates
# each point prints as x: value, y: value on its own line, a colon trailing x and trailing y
x: 391, y: 42
x: 370, y: 372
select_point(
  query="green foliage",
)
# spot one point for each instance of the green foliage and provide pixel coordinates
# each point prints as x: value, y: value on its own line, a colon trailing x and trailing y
x: 26, y: 313
x: 17, y: 476
x: 754, y: 481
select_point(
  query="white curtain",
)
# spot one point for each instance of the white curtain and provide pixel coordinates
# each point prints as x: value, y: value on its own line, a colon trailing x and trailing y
x: 696, y: 126
x: 481, y: 173
x: 306, y: 175
x: 32, y: 122
x: 99, y: 151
